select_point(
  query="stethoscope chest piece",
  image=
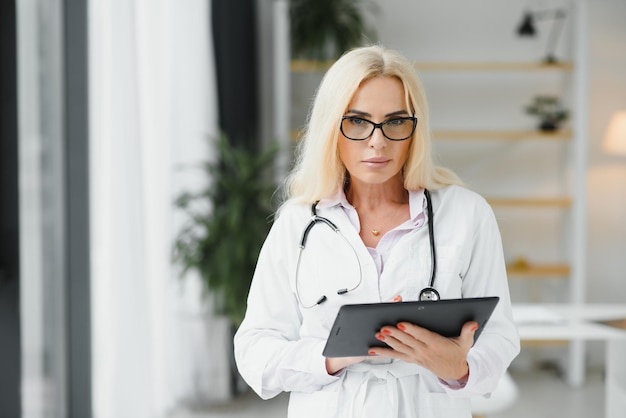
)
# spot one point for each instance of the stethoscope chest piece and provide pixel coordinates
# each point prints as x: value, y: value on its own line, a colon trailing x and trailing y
x: 429, y: 293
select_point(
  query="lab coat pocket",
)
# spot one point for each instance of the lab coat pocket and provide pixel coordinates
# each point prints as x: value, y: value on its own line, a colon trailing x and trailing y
x: 440, y: 405
x: 322, y: 403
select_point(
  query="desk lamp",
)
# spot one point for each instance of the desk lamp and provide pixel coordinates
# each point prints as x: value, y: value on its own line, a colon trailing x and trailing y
x: 615, y: 138
x: 527, y: 28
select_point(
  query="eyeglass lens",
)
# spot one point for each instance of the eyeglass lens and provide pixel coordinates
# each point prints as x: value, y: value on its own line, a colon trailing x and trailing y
x: 359, y: 129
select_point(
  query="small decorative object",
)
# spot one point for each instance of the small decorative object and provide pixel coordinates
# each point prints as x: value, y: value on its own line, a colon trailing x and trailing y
x: 549, y: 110
x: 520, y: 263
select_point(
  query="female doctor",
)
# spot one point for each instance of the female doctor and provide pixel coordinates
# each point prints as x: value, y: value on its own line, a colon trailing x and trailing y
x: 364, y: 189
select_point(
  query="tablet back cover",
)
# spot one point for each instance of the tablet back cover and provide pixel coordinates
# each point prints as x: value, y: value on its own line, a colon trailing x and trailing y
x: 353, y: 332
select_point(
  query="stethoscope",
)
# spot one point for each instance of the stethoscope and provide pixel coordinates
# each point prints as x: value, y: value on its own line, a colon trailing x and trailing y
x: 427, y: 293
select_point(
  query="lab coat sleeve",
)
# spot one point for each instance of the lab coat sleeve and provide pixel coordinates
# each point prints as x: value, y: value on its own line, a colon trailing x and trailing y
x: 269, y: 352
x: 485, y: 275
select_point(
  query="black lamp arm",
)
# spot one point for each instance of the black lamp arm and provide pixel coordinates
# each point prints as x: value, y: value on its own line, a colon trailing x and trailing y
x: 559, y: 16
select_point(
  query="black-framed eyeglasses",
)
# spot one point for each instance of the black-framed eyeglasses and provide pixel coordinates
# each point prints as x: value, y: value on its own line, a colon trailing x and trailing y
x: 359, y: 129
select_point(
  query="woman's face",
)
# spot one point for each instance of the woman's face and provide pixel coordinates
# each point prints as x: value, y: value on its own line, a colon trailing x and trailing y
x: 376, y: 160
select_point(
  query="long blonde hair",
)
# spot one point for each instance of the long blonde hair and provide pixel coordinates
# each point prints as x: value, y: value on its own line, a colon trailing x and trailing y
x: 318, y: 171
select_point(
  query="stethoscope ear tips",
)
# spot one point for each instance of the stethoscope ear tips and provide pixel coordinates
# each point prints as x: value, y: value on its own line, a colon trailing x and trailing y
x: 429, y: 293
x: 342, y: 291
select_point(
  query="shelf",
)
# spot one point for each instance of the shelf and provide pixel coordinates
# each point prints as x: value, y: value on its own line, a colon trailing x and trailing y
x: 303, y: 66
x: 299, y: 66
x: 564, y: 202
x: 615, y: 323
x: 295, y: 135
x: 539, y: 271
x: 560, y: 135
x: 493, y: 66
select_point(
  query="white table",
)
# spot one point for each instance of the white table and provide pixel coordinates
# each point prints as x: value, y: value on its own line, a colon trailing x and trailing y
x: 580, y: 323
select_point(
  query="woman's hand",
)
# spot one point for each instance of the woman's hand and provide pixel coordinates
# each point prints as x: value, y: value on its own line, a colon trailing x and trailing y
x: 335, y: 364
x: 445, y: 357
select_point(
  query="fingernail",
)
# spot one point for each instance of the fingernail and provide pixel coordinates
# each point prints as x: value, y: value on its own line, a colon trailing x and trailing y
x: 397, y: 298
x: 380, y: 337
x: 386, y: 332
x: 475, y: 328
x: 371, y: 353
x: 401, y: 327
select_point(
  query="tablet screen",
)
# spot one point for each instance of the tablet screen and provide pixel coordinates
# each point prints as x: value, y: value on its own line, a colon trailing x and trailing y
x: 354, y: 328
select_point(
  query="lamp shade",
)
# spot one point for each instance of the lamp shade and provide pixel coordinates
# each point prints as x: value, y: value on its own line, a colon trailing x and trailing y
x: 527, y: 27
x: 615, y: 138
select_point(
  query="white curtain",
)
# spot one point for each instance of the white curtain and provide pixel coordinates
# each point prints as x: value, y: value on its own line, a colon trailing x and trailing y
x: 152, y: 110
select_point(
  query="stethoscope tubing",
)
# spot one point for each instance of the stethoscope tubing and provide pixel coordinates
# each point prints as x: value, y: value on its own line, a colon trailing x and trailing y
x: 428, y: 293
x: 431, y: 237
x: 315, y: 218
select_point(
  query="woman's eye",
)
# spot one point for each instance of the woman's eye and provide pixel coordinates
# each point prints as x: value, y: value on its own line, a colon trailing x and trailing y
x: 395, y: 122
x: 357, y: 121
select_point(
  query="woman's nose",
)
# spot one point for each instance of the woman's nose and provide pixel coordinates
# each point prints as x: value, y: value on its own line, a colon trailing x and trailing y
x: 377, y: 140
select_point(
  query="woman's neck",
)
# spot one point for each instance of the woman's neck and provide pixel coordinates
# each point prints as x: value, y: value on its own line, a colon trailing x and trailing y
x: 376, y: 196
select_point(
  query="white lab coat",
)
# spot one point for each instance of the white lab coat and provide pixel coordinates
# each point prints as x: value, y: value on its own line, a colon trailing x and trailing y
x: 278, y: 347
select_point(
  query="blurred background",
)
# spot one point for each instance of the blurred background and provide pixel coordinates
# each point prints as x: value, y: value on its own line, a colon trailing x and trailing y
x: 128, y: 229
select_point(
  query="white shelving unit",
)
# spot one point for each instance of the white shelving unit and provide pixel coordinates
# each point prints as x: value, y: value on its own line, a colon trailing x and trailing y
x: 570, y: 203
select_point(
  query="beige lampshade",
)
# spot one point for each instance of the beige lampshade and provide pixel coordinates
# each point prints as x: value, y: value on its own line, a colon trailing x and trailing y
x: 615, y: 137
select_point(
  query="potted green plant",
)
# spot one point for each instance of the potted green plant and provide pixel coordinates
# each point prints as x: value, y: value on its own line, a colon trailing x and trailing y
x: 228, y: 222
x: 549, y: 110
x: 324, y: 29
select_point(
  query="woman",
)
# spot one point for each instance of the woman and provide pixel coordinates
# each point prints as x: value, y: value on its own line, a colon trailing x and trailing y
x: 365, y: 164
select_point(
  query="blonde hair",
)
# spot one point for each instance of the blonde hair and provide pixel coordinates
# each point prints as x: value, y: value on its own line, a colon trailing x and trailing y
x: 318, y: 171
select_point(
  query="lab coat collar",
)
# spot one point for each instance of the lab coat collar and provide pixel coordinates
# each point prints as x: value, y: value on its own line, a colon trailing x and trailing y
x: 417, y: 204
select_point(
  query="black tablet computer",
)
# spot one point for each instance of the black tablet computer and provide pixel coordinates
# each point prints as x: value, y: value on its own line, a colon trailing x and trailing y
x: 353, y: 332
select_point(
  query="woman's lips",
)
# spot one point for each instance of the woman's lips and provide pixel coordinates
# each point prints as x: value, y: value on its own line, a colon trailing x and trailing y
x: 376, y: 162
